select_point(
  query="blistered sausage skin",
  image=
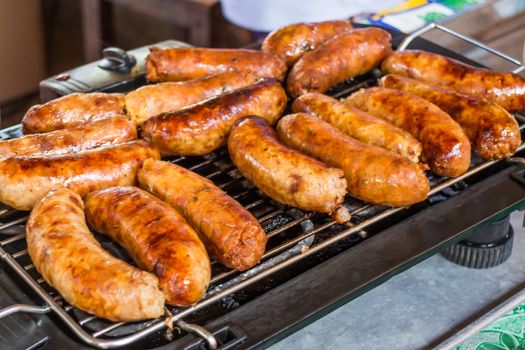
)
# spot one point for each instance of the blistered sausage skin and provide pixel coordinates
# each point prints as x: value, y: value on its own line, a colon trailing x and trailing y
x: 359, y: 124
x: 72, y: 110
x: 492, y: 130
x: 292, y: 41
x: 157, y: 238
x: 284, y: 174
x: 71, y: 260
x: 25, y: 180
x: 350, y: 54
x: 177, y: 64
x: 446, y: 148
x: 505, y: 89
x: 95, y: 134
x: 151, y: 100
x: 229, y: 232
x: 373, y: 174
x: 204, y: 127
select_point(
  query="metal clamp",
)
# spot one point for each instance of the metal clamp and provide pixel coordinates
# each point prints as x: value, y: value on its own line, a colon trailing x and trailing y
x: 404, y: 44
x: 201, y: 332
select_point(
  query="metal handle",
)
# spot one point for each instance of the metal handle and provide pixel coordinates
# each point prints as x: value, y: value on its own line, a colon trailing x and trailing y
x: 31, y: 309
x: 201, y: 332
x: 432, y: 26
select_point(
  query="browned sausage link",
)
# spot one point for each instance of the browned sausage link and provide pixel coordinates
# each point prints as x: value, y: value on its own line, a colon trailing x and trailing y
x: 202, y: 128
x: 282, y: 173
x: 72, y: 110
x: 360, y: 125
x: 71, y: 260
x: 347, y: 55
x: 176, y: 64
x: 157, y: 238
x: 25, y: 180
x: 229, y: 231
x: 505, y: 89
x: 292, y: 41
x: 492, y: 130
x: 446, y: 148
x: 373, y: 174
x: 151, y: 100
x: 92, y: 135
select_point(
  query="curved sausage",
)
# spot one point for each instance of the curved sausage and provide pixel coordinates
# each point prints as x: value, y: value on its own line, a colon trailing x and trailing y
x: 373, y: 174
x: 350, y: 54
x: 71, y: 260
x: 202, y: 128
x: 25, y: 180
x: 93, y: 135
x: 292, y: 41
x: 229, y: 232
x: 492, y: 130
x: 505, y: 89
x: 72, y: 110
x: 151, y: 100
x: 358, y: 124
x: 284, y: 174
x: 446, y: 148
x: 157, y: 238
x: 176, y: 64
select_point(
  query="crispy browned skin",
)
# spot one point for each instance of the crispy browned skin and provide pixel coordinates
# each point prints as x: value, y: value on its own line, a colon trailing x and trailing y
x: 446, y: 148
x: 202, y: 128
x: 229, y: 232
x: 373, y: 174
x: 282, y: 173
x: 71, y: 260
x: 492, y: 130
x: 347, y: 55
x: 292, y: 41
x: 358, y: 124
x: 176, y: 64
x: 151, y: 100
x: 25, y: 180
x: 95, y: 134
x: 157, y: 238
x: 505, y: 89
x: 72, y: 110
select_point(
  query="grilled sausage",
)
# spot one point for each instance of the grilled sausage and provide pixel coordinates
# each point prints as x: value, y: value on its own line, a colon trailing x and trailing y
x: 202, y: 128
x: 292, y: 41
x: 347, y: 55
x: 71, y: 260
x: 25, y: 180
x: 282, y: 173
x: 505, y: 89
x: 176, y: 64
x: 229, y: 232
x: 95, y: 134
x: 151, y: 100
x: 492, y: 130
x: 373, y: 174
x: 358, y: 124
x: 446, y: 148
x: 157, y: 238
x: 72, y: 110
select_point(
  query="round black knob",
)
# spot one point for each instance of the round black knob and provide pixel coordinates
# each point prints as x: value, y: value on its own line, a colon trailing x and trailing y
x: 117, y: 60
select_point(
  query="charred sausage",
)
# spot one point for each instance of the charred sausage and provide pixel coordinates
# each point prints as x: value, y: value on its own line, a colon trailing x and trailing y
x: 71, y: 260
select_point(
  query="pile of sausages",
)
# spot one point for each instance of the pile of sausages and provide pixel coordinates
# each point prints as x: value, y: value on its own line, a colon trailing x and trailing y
x: 80, y: 165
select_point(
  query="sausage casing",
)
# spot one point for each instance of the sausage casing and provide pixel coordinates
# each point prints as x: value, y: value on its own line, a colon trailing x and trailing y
x: 72, y: 110
x: 347, y: 55
x: 202, y: 128
x: 71, y: 260
x: 373, y: 174
x: 505, y: 89
x: 229, y: 232
x: 492, y: 130
x: 359, y: 124
x: 25, y: 180
x: 446, y: 148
